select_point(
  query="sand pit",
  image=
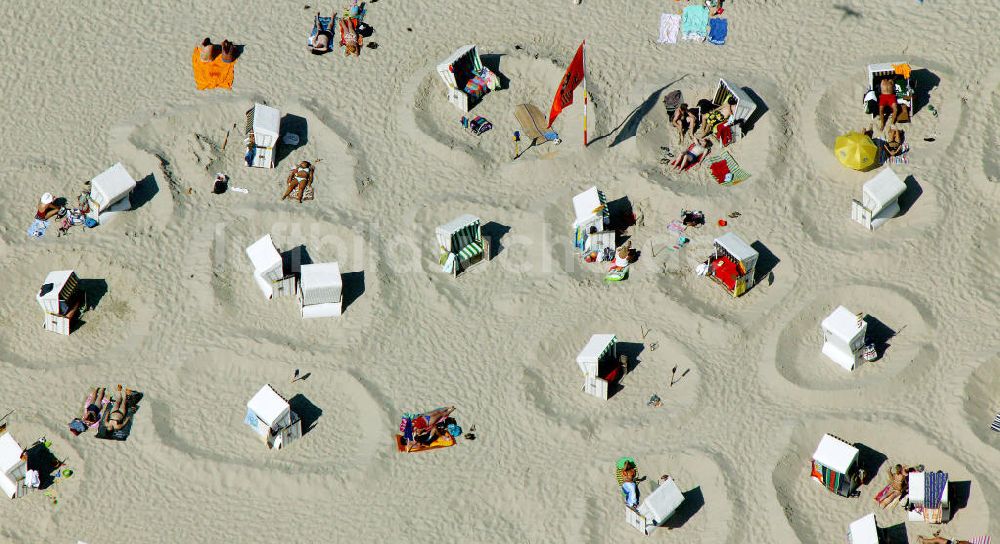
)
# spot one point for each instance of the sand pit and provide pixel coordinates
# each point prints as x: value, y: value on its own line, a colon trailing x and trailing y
x: 816, y: 513
x: 896, y: 325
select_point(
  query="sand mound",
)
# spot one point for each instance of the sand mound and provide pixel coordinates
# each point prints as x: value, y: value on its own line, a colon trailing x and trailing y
x: 815, y: 513
x: 123, y: 308
x: 896, y: 324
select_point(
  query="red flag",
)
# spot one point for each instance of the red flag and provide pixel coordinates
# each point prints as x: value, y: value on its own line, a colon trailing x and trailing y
x: 571, y: 79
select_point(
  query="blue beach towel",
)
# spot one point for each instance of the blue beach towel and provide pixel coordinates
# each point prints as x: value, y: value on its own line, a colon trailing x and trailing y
x: 37, y: 228
x: 718, y: 29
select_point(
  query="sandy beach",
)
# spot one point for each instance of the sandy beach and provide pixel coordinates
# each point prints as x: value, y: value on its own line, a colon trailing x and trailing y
x: 177, y: 315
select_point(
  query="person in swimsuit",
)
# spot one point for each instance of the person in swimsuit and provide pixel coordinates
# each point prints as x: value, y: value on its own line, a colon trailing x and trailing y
x: 425, y: 427
x: 46, y: 207
x: 940, y: 540
x: 684, y: 119
x: 349, y: 36
x: 228, y: 52
x: 894, y: 142
x: 206, y: 51
x: 898, y: 479
x: 300, y: 177
x: 92, y: 407
x: 629, y: 487
x: 698, y: 149
x: 887, y: 99
x: 117, y: 418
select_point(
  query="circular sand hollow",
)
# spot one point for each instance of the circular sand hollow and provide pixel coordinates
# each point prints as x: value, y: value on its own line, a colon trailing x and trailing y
x: 982, y: 400
x: 706, y: 515
x: 187, y: 147
x: 896, y: 324
x: 324, y: 401
x: 122, y: 301
x: 553, y: 382
x: 528, y: 80
x: 221, y: 275
x: 815, y: 513
x: 655, y: 136
x: 838, y: 108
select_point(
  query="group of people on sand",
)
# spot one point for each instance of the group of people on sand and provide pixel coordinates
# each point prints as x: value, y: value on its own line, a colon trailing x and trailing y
x: 226, y: 51
x: 700, y: 127
x: 114, y: 419
x: 424, y: 429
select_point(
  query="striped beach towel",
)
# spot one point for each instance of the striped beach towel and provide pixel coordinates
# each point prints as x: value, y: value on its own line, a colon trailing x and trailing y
x: 980, y: 540
x: 885, y: 158
x: 731, y: 167
x: 996, y: 423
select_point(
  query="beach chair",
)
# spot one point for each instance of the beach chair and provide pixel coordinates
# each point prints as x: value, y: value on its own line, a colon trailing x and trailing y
x: 462, y: 244
x: 880, y: 200
x: 62, y: 300
x: 109, y: 193
x: 322, y: 25
x: 899, y: 73
x: 269, y: 269
x: 320, y: 290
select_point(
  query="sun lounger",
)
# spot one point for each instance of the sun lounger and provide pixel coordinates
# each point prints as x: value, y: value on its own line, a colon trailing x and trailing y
x: 533, y: 124
x: 727, y: 171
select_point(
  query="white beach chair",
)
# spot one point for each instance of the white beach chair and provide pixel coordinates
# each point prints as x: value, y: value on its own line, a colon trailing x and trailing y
x: 321, y: 290
x: 109, y: 193
x: 269, y: 271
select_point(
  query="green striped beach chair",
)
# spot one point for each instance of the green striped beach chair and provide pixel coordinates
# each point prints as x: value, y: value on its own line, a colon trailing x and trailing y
x: 462, y: 243
x: 739, y: 174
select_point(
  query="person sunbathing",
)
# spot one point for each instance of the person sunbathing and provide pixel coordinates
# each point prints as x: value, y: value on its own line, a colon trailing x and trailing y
x: 887, y: 99
x: 349, y: 36
x: 300, y: 178
x: 729, y: 110
x: 425, y: 427
x: 47, y: 207
x: 898, y: 478
x: 118, y: 418
x: 940, y: 540
x: 206, y: 51
x: 894, y: 142
x: 694, y: 154
x: 92, y: 407
x: 228, y: 52
x: 629, y: 487
x: 684, y: 119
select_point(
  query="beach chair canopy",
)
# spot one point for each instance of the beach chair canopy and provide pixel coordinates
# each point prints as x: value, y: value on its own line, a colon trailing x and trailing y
x: 844, y: 325
x: 265, y: 258
x: 882, y: 190
x: 110, y: 186
x: 12, y: 468
x: 745, y: 106
x: 463, y: 61
x: 589, y: 207
x: 320, y: 283
x: 835, y: 454
x: 863, y: 531
x: 662, y: 502
x: 63, y: 282
x: 886, y: 68
x: 917, y: 493
x: 598, y: 346
x: 459, y: 232
x: 264, y: 122
x: 270, y: 407
x: 740, y: 250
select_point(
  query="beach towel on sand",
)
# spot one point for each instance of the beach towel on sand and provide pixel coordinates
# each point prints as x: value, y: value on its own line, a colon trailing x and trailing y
x: 212, y: 75
x: 670, y: 24
x: 694, y: 23
x: 718, y: 29
x: 37, y: 228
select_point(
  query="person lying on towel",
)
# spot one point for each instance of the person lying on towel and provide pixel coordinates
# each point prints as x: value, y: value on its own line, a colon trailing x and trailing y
x: 117, y: 418
x: 427, y: 428
x: 693, y: 154
x: 300, y: 177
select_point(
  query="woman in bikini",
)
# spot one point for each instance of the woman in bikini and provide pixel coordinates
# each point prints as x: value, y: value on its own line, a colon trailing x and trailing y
x: 897, y: 485
x: 425, y: 427
x: 46, y: 207
x: 698, y: 149
x: 117, y: 418
x: 300, y: 177
x: 684, y: 119
x: 894, y: 142
x: 93, y: 406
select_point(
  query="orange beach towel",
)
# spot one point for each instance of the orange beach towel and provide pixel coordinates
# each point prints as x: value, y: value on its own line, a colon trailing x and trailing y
x: 212, y: 75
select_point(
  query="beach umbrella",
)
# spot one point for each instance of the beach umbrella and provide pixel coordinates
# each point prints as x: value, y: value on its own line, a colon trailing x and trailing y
x: 855, y: 150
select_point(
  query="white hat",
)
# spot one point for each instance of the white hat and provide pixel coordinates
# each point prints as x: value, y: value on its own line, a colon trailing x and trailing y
x: 47, y: 198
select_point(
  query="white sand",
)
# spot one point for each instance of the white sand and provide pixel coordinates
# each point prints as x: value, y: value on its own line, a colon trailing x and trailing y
x: 183, y: 322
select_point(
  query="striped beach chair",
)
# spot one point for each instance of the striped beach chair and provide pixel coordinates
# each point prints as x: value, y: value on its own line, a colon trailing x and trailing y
x: 463, y: 238
x: 980, y: 540
x: 996, y: 423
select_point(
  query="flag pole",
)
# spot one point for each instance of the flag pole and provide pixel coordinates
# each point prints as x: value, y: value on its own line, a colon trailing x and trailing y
x: 585, y: 93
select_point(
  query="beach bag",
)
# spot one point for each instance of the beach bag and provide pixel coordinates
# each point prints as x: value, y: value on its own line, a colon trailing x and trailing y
x: 479, y: 125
